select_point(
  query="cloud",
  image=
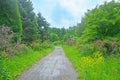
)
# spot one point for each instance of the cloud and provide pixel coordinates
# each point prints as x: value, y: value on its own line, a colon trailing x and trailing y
x: 79, y: 7
x: 45, y: 7
x: 66, y: 13
x: 75, y: 7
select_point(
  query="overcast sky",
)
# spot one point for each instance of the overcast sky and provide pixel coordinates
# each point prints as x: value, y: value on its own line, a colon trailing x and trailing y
x: 64, y: 13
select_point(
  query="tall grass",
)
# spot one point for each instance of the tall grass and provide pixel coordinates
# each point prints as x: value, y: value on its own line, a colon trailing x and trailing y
x: 95, y: 66
x: 17, y: 64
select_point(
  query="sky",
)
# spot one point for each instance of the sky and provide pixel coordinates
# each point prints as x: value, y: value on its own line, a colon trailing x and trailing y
x: 64, y: 13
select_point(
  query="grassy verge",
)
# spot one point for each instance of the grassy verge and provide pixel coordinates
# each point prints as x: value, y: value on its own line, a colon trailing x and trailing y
x: 95, y: 66
x: 16, y: 65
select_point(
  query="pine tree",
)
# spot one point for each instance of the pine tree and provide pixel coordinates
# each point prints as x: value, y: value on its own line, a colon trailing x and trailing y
x: 43, y: 27
x: 29, y: 21
x: 10, y: 16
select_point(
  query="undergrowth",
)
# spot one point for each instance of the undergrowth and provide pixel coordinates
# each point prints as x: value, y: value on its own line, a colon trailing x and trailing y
x: 15, y: 65
x: 94, y: 66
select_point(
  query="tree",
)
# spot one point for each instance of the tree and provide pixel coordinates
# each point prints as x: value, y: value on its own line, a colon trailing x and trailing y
x: 62, y: 33
x: 10, y: 16
x: 54, y: 37
x: 29, y: 21
x: 43, y: 26
x: 80, y: 28
x: 102, y: 22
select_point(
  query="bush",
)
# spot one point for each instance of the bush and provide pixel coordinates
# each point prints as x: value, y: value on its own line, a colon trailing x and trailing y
x: 111, y: 46
x: 70, y: 42
x: 38, y: 45
x: 57, y: 42
x: 86, y: 49
x: 4, y: 74
x: 7, y: 43
x: 90, y: 61
x: 46, y: 44
x: 95, y: 66
x: 17, y: 49
x: 6, y: 38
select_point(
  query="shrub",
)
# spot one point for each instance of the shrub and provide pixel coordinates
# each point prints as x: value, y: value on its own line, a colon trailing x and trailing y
x: 70, y: 42
x: 86, y: 49
x: 90, y: 61
x: 4, y: 74
x: 57, y: 42
x: 6, y: 37
x: 36, y: 45
x: 7, y: 43
x: 17, y: 49
x: 95, y: 66
x: 39, y: 45
x: 111, y: 46
x: 46, y: 44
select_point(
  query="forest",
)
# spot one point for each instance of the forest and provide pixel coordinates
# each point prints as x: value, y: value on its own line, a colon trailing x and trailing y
x: 92, y: 45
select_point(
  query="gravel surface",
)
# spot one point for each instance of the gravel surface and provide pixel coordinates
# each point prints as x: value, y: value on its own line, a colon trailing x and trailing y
x: 55, y: 66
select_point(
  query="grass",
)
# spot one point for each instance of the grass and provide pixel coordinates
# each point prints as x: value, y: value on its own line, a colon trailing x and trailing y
x: 16, y: 65
x: 95, y: 66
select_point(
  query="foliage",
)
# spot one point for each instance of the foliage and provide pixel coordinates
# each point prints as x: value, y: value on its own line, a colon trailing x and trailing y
x: 56, y: 34
x: 29, y: 21
x: 17, y: 64
x: 95, y: 66
x: 54, y: 37
x: 111, y: 46
x: 94, y: 36
x: 80, y: 28
x: 6, y: 36
x: 46, y: 44
x: 71, y: 32
x: 43, y: 26
x: 91, y: 61
x: 4, y: 73
x: 56, y: 43
x: 38, y: 45
x: 70, y: 41
x: 102, y: 21
x: 7, y: 43
x: 86, y: 49
x: 9, y: 15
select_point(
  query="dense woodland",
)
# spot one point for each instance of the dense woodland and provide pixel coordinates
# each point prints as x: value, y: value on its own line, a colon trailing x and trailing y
x: 96, y: 39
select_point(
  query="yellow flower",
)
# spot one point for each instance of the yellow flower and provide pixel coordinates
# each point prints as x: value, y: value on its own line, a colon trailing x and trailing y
x: 89, y: 61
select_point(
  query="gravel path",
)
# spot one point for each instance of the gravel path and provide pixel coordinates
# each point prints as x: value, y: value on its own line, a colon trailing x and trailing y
x: 55, y: 66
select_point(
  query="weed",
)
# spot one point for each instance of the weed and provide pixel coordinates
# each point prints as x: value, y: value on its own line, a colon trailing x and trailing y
x: 94, y: 66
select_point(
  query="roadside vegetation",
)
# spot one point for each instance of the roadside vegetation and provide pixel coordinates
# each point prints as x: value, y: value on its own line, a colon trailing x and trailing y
x: 95, y: 52
x: 93, y: 45
x: 13, y: 66
x: 94, y: 66
x: 16, y: 65
x: 24, y: 38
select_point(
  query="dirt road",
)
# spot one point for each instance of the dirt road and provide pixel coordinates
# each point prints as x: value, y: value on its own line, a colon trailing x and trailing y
x: 55, y: 66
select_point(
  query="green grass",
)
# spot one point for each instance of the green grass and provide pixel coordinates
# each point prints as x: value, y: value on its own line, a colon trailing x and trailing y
x: 94, y: 67
x: 16, y: 65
